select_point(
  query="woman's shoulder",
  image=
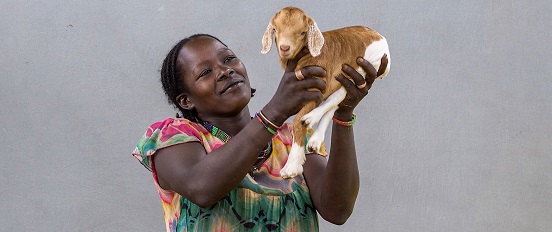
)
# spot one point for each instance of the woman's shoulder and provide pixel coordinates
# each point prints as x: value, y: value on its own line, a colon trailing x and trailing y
x: 165, y: 133
x: 173, y: 129
x: 170, y: 126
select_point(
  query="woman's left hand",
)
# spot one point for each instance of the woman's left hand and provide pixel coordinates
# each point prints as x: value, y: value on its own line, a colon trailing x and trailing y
x: 358, y: 88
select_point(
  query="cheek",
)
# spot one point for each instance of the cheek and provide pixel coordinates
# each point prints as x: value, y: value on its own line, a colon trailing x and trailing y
x: 200, y: 89
x: 240, y: 69
x: 300, y: 42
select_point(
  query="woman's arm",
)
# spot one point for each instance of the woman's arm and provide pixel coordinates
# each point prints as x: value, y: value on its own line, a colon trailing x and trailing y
x: 205, y: 179
x: 334, y: 183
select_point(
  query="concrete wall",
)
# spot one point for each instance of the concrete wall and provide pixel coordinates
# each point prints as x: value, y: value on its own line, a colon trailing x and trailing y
x: 456, y: 138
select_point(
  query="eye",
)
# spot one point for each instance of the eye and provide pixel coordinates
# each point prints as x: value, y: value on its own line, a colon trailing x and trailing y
x: 303, y: 33
x: 205, y: 72
x: 229, y: 58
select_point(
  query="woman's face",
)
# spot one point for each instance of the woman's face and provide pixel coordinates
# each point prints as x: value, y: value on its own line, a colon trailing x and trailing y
x: 216, y: 80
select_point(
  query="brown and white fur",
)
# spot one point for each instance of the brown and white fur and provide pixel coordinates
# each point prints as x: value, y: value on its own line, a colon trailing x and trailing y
x: 292, y: 30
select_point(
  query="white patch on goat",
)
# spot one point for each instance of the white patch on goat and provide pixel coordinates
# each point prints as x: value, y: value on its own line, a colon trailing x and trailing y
x: 375, y: 51
x: 294, y: 163
x: 323, y: 115
x: 317, y: 138
x: 332, y: 101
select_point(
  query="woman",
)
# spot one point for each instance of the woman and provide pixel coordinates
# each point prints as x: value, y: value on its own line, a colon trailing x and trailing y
x: 217, y: 168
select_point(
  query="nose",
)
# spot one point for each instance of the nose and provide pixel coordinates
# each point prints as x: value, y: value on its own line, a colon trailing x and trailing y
x: 226, y: 72
x: 284, y: 48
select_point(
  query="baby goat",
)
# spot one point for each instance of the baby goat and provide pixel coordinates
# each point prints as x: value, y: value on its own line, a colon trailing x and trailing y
x: 293, y: 30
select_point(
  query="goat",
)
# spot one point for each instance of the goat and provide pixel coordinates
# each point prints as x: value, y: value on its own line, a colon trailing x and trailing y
x: 292, y: 30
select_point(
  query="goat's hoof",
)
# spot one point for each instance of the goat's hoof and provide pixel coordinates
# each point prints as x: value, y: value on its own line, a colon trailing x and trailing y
x: 314, y: 147
x: 291, y: 170
x: 314, y: 143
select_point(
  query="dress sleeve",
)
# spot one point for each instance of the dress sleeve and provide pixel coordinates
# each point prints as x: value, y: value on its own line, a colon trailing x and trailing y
x: 163, y: 134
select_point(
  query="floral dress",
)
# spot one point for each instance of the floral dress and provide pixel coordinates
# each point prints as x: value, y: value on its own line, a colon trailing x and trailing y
x: 263, y: 201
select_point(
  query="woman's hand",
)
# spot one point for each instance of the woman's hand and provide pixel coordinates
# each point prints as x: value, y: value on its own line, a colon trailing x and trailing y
x: 358, y: 88
x: 292, y: 94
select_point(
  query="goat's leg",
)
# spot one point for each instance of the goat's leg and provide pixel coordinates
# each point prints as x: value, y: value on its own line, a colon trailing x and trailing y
x: 296, y: 157
x: 316, y: 114
x: 317, y: 138
x: 329, y: 107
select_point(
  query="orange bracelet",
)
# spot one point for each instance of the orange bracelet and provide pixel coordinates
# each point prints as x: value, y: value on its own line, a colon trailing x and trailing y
x: 268, y: 121
x: 349, y: 123
x: 270, y: 130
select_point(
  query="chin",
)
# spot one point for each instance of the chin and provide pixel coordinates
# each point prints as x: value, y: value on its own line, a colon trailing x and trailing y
x: 286, y: 56
x: 243, y: 99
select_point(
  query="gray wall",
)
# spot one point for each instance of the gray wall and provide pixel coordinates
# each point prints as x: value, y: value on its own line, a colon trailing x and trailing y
x: 456, y: 138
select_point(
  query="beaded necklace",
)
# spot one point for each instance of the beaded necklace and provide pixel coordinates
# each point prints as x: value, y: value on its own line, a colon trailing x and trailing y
x: 224, y: 137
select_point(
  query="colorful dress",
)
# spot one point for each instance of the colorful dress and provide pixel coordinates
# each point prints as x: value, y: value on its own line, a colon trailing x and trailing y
x: 263, y: 201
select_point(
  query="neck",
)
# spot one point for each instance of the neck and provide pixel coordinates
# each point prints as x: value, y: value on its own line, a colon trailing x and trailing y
x: 229, y: 124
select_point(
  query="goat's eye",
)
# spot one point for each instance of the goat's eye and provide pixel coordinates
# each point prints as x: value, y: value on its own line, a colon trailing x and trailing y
x: 303, y: 33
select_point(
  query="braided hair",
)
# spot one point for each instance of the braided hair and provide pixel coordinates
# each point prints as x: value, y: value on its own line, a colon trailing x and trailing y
x: 171, y: 77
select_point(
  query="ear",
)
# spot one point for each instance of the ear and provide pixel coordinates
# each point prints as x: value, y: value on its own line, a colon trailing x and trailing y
x: 184, y: 102
x: 267, y: 38
x: 315, y: 40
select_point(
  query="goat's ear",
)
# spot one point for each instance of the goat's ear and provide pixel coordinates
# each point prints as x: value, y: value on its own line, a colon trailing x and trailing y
x: 315, y: 40
x: 267, y: 39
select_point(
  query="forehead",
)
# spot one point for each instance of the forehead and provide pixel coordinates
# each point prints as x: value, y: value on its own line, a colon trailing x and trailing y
x: 291, y: 18
x: 200, y: 49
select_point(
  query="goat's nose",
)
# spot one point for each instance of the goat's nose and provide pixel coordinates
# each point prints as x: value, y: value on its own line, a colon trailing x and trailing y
x: 284, y: 48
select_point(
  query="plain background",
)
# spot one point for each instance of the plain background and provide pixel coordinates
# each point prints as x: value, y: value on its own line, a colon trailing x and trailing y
x: 456, y: 138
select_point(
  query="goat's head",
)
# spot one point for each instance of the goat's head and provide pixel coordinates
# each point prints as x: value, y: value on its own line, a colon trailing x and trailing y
x: 292, y: 29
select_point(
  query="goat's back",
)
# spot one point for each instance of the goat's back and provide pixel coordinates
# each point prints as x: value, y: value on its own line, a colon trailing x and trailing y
x: 341, y: 46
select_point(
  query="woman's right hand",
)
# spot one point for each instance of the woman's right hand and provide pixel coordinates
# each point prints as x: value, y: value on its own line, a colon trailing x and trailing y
x: 292, y: 94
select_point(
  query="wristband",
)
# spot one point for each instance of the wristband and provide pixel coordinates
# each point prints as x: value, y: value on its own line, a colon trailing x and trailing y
x: 270, y: 130
x: 264, y: 118
x: 349, y: 123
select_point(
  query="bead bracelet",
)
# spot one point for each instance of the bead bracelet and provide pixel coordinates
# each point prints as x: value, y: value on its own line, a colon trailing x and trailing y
x: 349, y: 123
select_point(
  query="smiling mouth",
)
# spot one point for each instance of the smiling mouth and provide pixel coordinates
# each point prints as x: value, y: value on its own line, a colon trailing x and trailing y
x: 231, y: 85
